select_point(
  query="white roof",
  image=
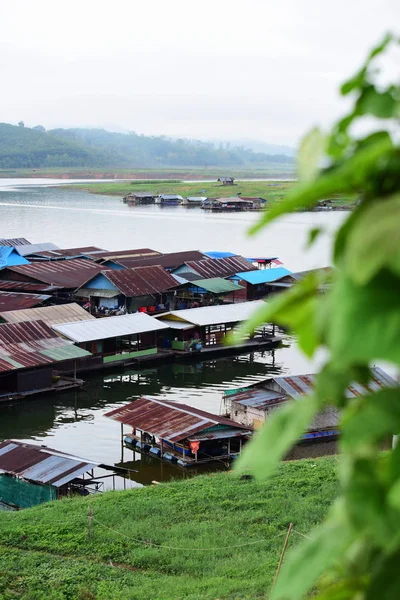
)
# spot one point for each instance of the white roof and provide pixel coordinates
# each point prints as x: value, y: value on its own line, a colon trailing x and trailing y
x: 109, y: 327
x: 28, y: 249
x: 213, y: 315
x: 176, y: 324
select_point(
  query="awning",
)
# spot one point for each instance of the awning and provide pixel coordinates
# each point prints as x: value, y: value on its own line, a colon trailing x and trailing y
x: 88, y: 293
x: 66, y: 353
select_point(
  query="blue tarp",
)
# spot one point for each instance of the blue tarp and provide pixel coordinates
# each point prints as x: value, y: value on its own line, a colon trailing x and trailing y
x: 263, y: 275
x: 9, y: 257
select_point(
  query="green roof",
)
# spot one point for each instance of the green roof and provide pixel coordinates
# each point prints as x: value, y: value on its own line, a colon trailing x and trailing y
x: 67, y: 352
x: 216, y: 285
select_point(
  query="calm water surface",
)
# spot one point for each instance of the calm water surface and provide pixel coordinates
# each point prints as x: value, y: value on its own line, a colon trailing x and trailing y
x: 75, y: 422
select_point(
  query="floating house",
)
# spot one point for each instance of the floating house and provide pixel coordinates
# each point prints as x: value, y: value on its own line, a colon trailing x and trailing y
x: 258, y: 203
x: 194, y: 200
x: 206, y: 292
x: 141, y: 288
x: 31, y: 474
x: 51, y: 315
x: 226, y: 180
x: 66, y: 275
x: 123, y: 339
x: 288, y: 280
x: 169, y: 199
x: 139, y: 198
x: 228, y: 204
x: 204, y: 329
x: 178, y: 433
x: 252, y: 405
x: 10, y: 301
x: 31, y: 358
x: 256, y: 283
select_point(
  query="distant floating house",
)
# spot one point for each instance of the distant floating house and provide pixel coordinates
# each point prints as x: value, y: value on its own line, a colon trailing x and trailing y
x: 256, y: 283
x: 229, y: 204
x: 214, y: 267
x: 139, y: 198
x: 258, y: 203
x: 178, y: 433
x: 207, y: 291
x: 31, y: 474
x: 194, y: 200
x: 169, y: 199
x: 226, y: 180
x: 253, y: 405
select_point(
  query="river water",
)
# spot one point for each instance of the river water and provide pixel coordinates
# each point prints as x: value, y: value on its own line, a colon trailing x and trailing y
x: 74, y: 422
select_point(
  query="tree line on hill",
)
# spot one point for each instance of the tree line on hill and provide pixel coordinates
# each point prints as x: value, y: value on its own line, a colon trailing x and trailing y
x: 23, y: 147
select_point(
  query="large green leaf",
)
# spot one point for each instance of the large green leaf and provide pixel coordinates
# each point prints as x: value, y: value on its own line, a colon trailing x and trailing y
x: 385, y: 580
x: 307, y: 562
x: 310, y: 153
x: 383, y: 105
x: 375, y: 241
x: 281, y: 430
x: 364, y: 324
x: 347, y: 177
x: 371, y: 418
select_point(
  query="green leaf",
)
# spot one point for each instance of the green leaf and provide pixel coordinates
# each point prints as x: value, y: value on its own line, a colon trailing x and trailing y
x: 347, y: 177
x: 313, y: 235
x: 371, y: 418
x: 310, y: 153
x: 365, y: 323
x: 378, y: 104
x: 359, y: 79
x: 313, y: 557
x: 271, y: 443
x: 375, y: 241
x: 385, y: 581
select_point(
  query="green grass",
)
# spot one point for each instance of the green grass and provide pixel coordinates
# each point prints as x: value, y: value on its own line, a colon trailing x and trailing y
x: 45, y: 552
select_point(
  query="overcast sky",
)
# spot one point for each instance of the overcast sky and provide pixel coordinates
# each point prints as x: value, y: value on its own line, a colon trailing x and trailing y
x: 228, y: 69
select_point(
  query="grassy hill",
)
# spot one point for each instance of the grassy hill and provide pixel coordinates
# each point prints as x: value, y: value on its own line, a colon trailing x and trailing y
x: 22, y: 147
x: 204, y: 538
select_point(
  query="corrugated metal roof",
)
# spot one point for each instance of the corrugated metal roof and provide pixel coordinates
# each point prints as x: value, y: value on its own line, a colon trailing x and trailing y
x: 25, y: 286
x: 216, y: 285
x: 9, y: 301
x: 170, y: 197
x: 141, y: 281
x: 136, y: 253
x: 299, y: 385
x: 28, y: 249
x: 176, y: 324
x: 171, y: 260
x: 110, y: 327
x: 68, y: 253
x: 263, y: 275
x: 220, y: 267
x: 66, y: 352
x: 41, y: 464
x: 69, y: 274
x: 257, y: 397
x: 167, y: 420
x: 14, y: 242
x: 22, y: 345
x: 214, y: 315
x: 219, y: 254
x: 61, y: 313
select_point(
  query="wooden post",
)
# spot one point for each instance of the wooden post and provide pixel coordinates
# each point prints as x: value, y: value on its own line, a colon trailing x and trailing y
x: 161, y: 447
x: 240, y: 446
x: 122, y: 442
x: 229, y: 447
x: 75, y: 370
x: 281, y: 557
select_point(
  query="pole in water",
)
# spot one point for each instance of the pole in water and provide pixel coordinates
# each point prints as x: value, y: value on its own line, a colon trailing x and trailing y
x: 281, y: 557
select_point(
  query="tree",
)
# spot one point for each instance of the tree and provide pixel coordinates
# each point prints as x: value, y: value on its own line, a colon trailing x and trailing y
x: 354, y: 554
x: 21, y: 124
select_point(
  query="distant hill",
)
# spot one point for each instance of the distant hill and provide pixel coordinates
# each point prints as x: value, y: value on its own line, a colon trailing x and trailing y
x: 22, y: 147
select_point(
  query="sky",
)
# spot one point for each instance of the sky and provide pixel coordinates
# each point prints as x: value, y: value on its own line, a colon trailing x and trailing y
x: 265, y: 70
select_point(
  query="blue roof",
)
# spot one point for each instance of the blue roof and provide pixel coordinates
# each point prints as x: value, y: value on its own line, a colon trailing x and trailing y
x: 218, y: 254
x: 263, y: 275
x: 9, y: 257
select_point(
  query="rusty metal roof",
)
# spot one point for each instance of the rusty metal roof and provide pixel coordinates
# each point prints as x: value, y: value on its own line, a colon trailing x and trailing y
x: 169, y: 420
x: 24, y: 345
x: 25, y: 286
x: 220, y: 267
x: 257, y: 397
x: 61, y: 313
x: 68, y: 253
x: 170, y: 261
x: 69, y: 274
x: 136, y: 253
x: 13, y: 242
x: 41, y: 464
x: 141, y: 281
x: 9, y: 301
